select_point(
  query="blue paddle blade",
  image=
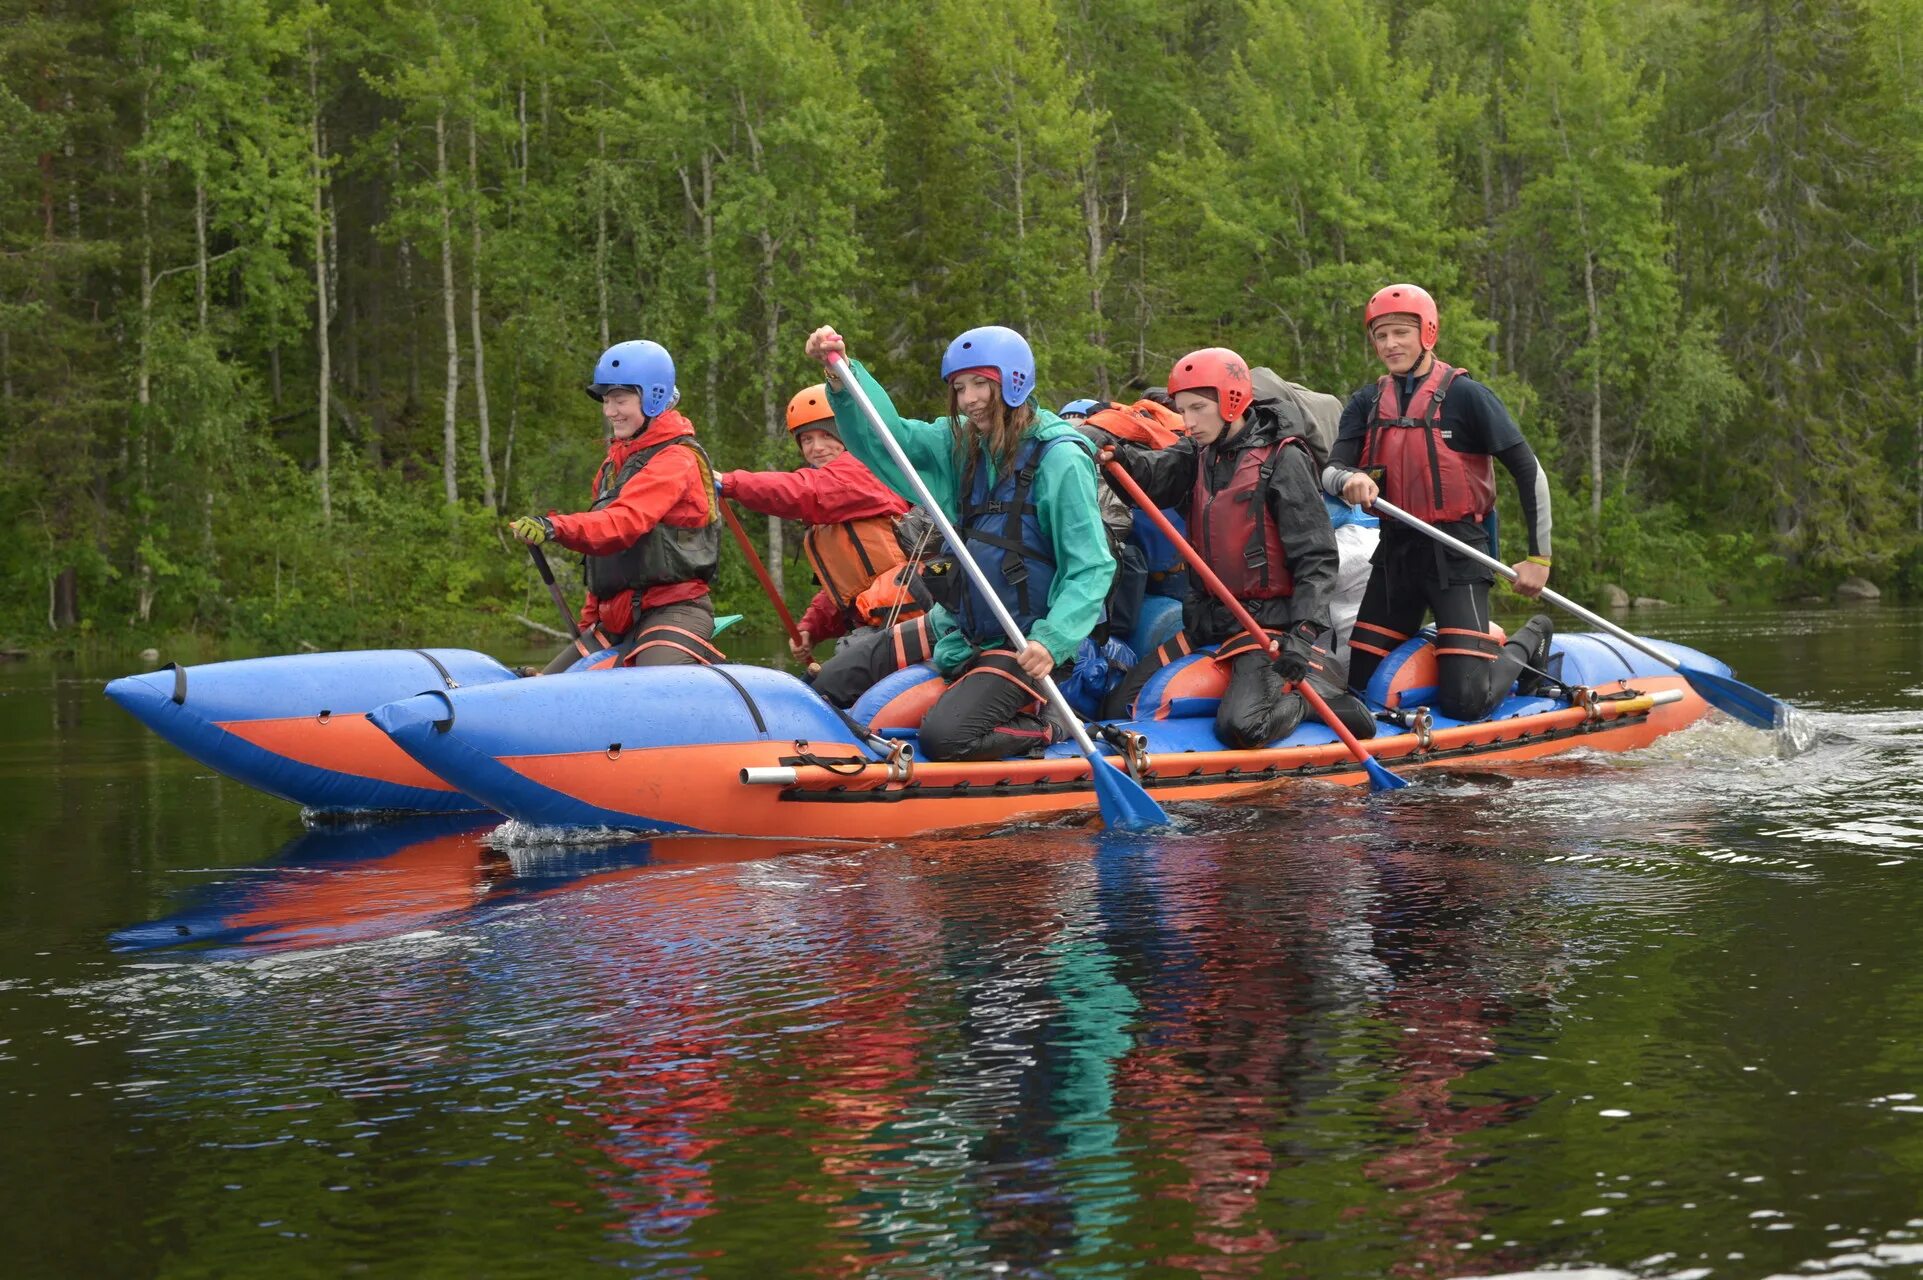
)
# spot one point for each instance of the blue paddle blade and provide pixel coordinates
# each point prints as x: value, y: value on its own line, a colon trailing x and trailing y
x: 725, y: 621
x: 1380, y: 779
x: 1125, y: 806
x: 1751, y: 706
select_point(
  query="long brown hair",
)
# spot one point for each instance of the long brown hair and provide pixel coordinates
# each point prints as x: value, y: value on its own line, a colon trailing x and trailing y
x: 999, y: 437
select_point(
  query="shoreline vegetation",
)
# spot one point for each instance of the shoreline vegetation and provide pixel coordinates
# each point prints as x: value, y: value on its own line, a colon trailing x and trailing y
x: 296, y: 300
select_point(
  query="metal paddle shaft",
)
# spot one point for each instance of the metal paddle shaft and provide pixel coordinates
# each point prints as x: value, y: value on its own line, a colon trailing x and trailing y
x: 1750, y: 705
x: 540, y: 559
x: 1136, y: 811
x: 1380, y: 779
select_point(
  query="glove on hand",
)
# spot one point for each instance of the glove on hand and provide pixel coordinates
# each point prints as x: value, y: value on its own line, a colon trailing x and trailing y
x: 533, y: 530
x: 1300, y: 653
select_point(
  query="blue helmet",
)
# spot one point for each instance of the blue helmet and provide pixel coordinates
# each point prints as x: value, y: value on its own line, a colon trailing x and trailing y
x: 1083, y: 407
x: 994, y: 347
x: 645, y: 366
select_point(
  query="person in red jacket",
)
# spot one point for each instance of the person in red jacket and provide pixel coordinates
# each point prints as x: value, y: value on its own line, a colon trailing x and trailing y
x: 850, y: 543
x: 651, y: 539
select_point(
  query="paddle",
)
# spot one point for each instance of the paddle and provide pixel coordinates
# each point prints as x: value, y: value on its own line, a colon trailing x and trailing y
x: 1125, y: 805
x: 540, y: 559
x: 1380, y: 779
x: 1750, y: 705
x: 761, y: 572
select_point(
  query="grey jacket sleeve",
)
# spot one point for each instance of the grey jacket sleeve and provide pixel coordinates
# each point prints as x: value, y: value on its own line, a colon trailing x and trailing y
x: 1302, y: 521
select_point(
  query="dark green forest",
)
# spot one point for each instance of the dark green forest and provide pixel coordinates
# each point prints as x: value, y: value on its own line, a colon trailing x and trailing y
x: 297, y: 299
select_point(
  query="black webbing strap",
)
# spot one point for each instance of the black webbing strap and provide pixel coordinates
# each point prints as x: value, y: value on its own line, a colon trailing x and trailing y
x: 447, y: 680
x: 761, y: 725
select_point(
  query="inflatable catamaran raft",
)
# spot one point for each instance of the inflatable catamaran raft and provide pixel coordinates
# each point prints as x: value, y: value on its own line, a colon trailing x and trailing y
x: 748, y: 751
x: 742, y: 750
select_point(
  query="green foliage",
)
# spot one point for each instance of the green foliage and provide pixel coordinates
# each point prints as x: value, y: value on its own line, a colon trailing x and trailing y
x: 1683, y: 241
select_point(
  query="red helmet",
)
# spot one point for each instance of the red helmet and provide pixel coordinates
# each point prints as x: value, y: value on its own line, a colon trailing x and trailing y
x: 1219, y: 370
x: 809, y: 411
x: 1404, y: 300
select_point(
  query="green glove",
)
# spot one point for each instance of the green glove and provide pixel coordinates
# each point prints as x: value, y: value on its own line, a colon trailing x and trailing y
x: 533, y: 530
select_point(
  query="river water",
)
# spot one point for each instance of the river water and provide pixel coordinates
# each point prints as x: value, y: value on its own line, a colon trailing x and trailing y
x: 1658, y: 1014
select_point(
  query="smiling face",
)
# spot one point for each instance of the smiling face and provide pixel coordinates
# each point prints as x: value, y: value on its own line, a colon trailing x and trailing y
x: 1398, y: 342
x: 819, y: 447
x: 975, y: 393
x: 621, y: 410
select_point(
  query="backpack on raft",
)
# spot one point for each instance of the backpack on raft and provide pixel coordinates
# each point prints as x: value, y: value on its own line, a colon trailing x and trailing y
x: 1144, y: 423
x: 1311, y: 415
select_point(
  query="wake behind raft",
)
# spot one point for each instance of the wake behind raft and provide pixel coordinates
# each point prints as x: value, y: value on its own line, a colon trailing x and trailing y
x: 747, y: 751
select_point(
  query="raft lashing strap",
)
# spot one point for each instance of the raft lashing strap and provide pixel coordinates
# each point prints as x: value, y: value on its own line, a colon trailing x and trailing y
x: 180, y: 683
x: 446, y: 679
x: 761, y: 725
x: 846, y: 766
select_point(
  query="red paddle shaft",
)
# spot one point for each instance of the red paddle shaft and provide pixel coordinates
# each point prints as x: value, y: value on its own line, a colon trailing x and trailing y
x: 1234, y: 606
x: 761, y: 572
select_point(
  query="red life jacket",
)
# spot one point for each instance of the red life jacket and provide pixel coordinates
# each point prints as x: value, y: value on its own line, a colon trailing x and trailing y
x: 1420, y: 472
x: 1231, y: 528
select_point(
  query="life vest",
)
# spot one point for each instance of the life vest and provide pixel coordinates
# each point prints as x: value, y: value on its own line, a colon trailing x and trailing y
x: 1421, y: 473
x: 849, y: 556
x: 1004, y: 535
x: 1231, y: 527
x: 665, y: 553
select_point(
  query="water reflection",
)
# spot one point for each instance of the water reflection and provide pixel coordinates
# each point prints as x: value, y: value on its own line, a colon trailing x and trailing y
x: 1654, y: 1012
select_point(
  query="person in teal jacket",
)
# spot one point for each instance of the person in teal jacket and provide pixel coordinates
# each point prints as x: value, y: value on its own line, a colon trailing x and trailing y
x: 1019, y: 485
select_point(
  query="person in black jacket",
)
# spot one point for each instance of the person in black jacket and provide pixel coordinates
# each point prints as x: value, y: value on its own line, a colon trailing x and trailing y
x: 1255, y: 516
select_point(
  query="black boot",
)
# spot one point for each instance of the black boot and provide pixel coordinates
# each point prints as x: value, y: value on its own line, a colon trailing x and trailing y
x: 1536, y: 679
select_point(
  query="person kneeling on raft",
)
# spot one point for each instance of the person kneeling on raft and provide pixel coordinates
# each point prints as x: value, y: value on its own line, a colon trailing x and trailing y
x: 1256, y: 518
x: 1422, y: 436
x: 851, y: 540
x: 1019, y: 485
x: 651, y: 538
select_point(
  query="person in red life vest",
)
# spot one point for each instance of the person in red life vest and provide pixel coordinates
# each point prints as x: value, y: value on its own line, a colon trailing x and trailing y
x: 1422, y: 436
x: 652, y: 538
x: 850, y: 543
x: 1248, y: 492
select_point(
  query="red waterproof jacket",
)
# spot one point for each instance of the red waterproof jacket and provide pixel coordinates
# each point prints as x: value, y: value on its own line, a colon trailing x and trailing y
x: 670, y: 490
x: 839, y: 492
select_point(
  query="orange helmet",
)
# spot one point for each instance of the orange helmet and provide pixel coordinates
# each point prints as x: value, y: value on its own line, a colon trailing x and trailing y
x: 1404, y: 299
x: 1219, y: 370
x: 809, y: 411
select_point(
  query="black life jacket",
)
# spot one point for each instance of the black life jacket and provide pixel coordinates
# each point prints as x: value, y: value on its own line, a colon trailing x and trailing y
x: 665, y: 553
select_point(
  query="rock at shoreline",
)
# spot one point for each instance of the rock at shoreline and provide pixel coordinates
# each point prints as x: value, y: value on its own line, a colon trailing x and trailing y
x: 150, y: 656
x: 1614, y: 597
x: 1858, y: 589
x: 1649, y: 602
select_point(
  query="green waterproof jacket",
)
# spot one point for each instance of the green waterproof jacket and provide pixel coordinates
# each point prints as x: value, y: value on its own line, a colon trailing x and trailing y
x: 1067, y: 505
